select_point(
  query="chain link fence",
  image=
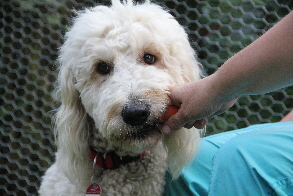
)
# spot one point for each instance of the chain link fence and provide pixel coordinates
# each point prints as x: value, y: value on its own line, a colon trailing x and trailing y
x: 31, y: 32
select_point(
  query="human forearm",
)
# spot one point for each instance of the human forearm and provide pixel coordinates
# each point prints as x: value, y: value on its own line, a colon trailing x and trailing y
x: 263, y: 66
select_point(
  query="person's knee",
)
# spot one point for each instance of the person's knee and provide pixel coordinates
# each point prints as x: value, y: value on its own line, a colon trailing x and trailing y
x: 236, y: 147
x: 239, y: 152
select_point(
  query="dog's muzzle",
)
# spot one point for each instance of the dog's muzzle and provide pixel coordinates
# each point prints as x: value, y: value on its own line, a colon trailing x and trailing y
x: 136, y: 113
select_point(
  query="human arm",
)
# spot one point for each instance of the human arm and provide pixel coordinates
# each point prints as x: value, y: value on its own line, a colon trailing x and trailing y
x: 263, y: 66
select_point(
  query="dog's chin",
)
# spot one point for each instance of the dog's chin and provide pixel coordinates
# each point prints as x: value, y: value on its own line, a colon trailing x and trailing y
x: 134, y: 140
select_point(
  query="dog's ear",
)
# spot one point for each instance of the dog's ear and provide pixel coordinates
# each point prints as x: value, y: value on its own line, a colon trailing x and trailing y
x: 71, y: 127
x: 71, y: 118
x: 181, y: 147
x: 191, y: 68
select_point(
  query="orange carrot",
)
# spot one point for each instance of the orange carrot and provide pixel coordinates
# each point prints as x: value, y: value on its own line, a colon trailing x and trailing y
x: 170, y: 111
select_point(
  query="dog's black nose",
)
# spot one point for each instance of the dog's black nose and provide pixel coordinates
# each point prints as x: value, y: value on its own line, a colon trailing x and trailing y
x: 135, y: 113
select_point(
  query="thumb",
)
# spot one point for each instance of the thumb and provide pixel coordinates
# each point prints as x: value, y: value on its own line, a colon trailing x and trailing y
x: 177, y: 120
x: 174, y: 123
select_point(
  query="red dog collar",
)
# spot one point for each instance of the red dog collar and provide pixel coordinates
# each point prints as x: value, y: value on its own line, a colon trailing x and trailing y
x: 111, y: 160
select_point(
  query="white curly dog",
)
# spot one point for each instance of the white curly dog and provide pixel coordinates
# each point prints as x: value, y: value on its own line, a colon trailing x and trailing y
x: 116, y: 68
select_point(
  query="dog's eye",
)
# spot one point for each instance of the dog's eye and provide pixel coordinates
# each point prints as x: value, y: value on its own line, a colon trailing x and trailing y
x: 149, y: 59
x: 103, y: 68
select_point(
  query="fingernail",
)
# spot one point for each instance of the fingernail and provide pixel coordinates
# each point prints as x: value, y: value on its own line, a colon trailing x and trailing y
x: 166, y: 130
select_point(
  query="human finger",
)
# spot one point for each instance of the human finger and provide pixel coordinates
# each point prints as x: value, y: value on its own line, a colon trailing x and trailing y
x: 175, y: 95
x: 174, y: 123
x: 200, y: 124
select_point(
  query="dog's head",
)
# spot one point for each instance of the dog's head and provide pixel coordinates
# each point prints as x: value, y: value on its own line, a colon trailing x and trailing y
x: 117, y: 65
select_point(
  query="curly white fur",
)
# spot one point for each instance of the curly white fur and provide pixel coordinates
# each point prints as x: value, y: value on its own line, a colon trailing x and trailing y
x: 90, y: 114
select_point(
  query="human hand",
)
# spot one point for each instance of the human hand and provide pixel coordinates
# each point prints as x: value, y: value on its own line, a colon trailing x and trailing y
x: 197, y: 101
x: 171, y: 110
